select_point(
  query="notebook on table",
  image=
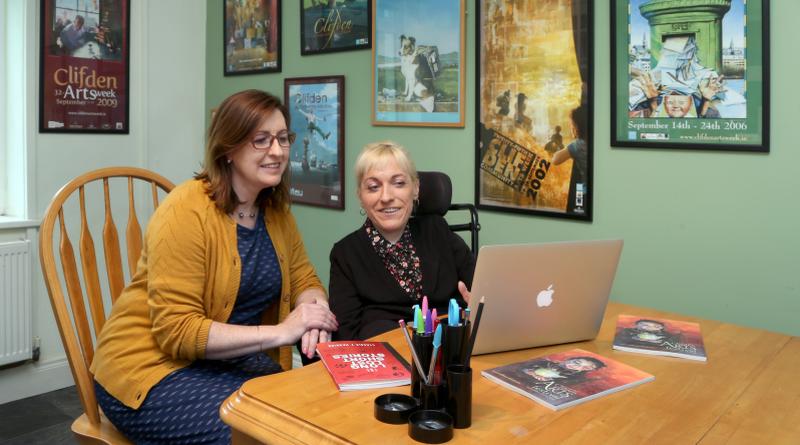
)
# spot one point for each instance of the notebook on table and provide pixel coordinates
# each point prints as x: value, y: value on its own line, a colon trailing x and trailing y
x: 542, y: 294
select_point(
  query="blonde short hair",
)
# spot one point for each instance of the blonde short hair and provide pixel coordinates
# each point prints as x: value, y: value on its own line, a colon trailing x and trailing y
x: 377, y: 154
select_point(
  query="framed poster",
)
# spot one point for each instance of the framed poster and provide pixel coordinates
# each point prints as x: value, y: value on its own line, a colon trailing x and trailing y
x: 534, y: 109
x: 316, y: 106
x: 335, y: 25
x: 690, y: 75
x: 252, y: 36
x: 418, y: 75
x: 84, y: 66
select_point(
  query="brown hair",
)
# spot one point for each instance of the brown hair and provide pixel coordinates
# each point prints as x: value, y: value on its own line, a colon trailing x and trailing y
x: 232, y: 125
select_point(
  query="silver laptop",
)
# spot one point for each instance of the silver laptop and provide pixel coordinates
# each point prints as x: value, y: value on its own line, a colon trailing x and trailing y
x: 542, y: 294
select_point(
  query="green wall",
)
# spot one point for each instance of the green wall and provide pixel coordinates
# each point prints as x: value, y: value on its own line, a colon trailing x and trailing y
x: 709, y: 234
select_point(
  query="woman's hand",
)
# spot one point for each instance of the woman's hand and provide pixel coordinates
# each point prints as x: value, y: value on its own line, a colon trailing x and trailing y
x: 307, y: 317
x: 465, y: 294
x: 309, y: 340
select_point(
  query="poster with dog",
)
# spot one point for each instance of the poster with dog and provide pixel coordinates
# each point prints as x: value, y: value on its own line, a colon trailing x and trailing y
x: 418, y: 73
x: 316, y: 107
x: 534, y: 138
x: 252, y: 30
x: 335, y: 25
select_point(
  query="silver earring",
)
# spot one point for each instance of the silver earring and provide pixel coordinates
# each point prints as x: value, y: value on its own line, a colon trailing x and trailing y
x: 362, y: 212
x: 230, y: 160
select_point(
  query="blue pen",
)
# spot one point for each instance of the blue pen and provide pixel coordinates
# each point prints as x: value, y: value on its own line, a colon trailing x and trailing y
x: 452, y: 313
x: 414, y: 316
x: 437, y: 342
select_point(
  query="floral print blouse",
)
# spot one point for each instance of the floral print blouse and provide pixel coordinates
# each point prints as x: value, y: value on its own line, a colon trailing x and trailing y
x: 400, y: 259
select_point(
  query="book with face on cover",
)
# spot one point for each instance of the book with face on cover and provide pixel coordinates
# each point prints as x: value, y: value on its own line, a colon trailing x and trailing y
x: 357, y: 365
x: 568, y: 378
x: 659, y: 336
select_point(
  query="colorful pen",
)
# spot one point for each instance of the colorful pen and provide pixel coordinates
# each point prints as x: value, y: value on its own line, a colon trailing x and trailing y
x: 419, y: 324
x: 437, y: 341
x: 452, y: 313
x: 428, y: 323
x: 413, y: 351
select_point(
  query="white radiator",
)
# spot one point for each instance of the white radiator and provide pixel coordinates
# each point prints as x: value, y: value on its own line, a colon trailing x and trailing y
x: 15, y: 302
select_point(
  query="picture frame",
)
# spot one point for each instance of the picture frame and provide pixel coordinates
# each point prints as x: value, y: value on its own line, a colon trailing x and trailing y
x: 328, y: 28
x: 418, y: 63
x: 251, y: 37
x: 690, y: 78
x: 84, y: 50
x: 534, y: 141
x: 316, y: 160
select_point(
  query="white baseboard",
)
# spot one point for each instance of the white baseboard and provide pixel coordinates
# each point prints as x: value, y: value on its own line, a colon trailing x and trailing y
x: 33, y: 379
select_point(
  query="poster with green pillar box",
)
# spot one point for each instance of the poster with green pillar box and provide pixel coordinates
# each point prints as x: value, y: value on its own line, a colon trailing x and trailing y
x: 690, y: 74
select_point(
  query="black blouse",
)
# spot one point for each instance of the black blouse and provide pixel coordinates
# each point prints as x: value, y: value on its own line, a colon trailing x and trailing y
x: 367, y: 300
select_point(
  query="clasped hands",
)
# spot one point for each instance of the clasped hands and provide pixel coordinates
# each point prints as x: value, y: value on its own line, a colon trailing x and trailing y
x: 312, y: 322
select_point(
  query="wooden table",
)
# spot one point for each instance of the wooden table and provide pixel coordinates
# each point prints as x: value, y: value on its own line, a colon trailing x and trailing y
x: 748, y: 392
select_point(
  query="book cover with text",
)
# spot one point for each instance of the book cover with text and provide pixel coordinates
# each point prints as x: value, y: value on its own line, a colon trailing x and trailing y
x: 659, y: 336
x: 568, y: 378
x: 364, y: 364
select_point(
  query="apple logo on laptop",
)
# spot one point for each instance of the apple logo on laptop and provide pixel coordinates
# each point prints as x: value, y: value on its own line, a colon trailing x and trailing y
x: 545, y: 297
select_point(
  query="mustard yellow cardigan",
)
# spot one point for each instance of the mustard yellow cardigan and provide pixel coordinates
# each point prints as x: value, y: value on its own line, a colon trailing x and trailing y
x: 187, y: 276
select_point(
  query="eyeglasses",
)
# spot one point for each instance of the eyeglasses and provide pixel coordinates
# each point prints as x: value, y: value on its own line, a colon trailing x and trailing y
x: 263, y: 140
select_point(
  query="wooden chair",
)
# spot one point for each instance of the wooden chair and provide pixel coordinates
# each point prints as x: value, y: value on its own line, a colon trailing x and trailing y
x: 92, y: 426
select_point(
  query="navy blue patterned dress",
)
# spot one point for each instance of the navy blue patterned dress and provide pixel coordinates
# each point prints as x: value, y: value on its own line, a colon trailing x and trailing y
x: 183, y: 408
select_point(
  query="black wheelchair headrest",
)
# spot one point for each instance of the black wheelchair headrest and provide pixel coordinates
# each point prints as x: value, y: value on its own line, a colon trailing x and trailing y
x: 435, y: 193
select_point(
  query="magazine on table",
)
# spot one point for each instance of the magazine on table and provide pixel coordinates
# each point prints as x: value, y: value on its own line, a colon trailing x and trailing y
x: 357, y: 365
x: 659, y: 336
x: 568, y: 378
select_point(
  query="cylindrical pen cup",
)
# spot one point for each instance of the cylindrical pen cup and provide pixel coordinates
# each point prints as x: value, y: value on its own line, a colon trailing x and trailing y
x: 432, y: 396
x: 423, y: 345
x: 459, y: 395
x: 452, y: 349
x: 394, y: 408
x: 430, y: 426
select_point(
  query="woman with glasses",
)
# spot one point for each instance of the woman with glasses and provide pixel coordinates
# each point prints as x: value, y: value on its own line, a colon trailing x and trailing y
x: 222, y: 291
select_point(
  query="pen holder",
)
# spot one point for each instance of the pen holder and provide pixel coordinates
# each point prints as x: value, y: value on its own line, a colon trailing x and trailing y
x: 452, y: 344
x: 432, y: 396
x: 394, y: 408
x: 423, y: 344
x: 430, y: 426
x: 459, y: 395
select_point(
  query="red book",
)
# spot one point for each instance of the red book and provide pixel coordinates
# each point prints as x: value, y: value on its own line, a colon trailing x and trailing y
x: 659, y: 336
x: 567, y: 378
x: 364, y: 364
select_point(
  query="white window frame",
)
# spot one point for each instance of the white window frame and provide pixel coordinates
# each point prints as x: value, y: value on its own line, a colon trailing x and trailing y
x: 3, y: 106
x: 18, y: 78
